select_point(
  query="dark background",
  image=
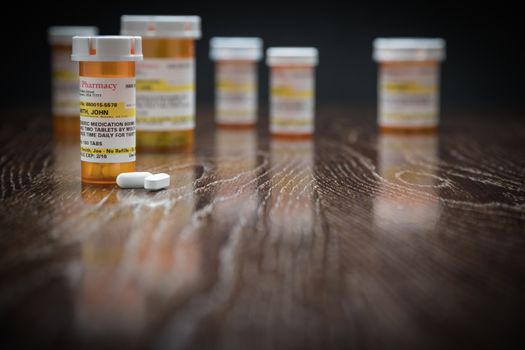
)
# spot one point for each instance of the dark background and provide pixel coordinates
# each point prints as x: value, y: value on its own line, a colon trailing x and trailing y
x: 483, y: 71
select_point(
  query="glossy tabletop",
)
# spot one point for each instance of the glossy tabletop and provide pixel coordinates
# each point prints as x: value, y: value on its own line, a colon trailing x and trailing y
x: 353, y: 239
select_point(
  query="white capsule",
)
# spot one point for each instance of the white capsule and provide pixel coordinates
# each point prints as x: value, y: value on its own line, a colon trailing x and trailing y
x: 157, y: 182
x: 132, y: 180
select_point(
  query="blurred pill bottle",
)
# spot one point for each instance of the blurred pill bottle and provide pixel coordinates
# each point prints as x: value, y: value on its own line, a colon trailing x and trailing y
x: 292, y: 91
x: 107, y: 105
x: 165, y: 80
x: 64, y: 81
x: 236, y: 80
x: 408, y: 83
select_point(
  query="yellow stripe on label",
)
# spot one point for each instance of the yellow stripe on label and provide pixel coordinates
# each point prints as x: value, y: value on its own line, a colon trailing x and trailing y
x: 230, y: 86
x: 409, y: 116
x: 290, y: 122
x: 65, y: 75
x: 410, y: 88
x: 162, y: 86
x: 105, y: 110
x: 284, y: 91
x: 120, y: 150
x: 173, y: 119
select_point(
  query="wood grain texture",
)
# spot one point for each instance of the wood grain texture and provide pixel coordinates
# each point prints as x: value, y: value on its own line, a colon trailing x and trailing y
x: 350, y: 240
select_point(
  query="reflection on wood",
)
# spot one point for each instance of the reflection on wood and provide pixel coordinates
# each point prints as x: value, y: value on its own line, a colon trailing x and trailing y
x: 351, y: 240
x: 237, y: 171
x: 137, y: 257
x: 408, y: 199
x: 291, y: 190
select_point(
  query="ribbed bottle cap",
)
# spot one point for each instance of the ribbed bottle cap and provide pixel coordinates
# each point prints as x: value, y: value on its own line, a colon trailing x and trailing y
x: 276, y: 56
x: 161, y: 26
x: 64, y: 34
x: 409, y: 49
x: 246, y: 48
x: 107, y: 48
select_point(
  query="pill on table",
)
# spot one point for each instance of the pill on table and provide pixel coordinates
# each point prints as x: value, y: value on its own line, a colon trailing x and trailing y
x: 157, y: 182
x: 132, y: 180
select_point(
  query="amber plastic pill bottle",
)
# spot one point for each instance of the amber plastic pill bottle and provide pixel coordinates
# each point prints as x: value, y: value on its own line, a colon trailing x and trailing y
x: 292, y: 91
x: 236, y: 79
x: 64, y: 80
x: 107, y: 105
x: 165, y: 80
x: 408, y: 83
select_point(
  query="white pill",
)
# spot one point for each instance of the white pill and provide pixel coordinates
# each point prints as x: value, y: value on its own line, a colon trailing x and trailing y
x: 132, y: 180
x: 157, y: 182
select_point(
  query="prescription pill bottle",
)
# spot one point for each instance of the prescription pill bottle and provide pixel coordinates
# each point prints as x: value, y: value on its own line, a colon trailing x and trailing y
x: 292, y: 90
x: 165, y: 80
x: 236, y: 80
x: 408, y: 83
x: 107, y: 105
x: 64, y: 80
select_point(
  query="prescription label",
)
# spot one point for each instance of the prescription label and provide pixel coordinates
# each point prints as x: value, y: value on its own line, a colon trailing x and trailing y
x: 236, y: 93
x: 165, y: 94
x: 64, y: 84
x: 107, y: 120
x: 292, y: 100
x: 408, y: 95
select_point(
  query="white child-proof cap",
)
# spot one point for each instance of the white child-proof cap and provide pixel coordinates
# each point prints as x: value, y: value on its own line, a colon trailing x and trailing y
x: 64, y: 34
x: 276, y: 56
x: 409, y: 49
x: 161, y: 26
x: 107, y: 48
x: 247, y: 48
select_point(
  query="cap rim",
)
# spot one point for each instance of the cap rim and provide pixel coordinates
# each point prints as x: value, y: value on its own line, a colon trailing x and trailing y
x: 65, y: 34
x: 292, y: 56
x: 409, y: 49
x: 107, y: 48
x: 161, y: 26
x: 236, y: 48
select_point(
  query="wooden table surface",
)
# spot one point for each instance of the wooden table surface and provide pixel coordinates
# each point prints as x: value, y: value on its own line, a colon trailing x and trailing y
x: 351, y: 240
